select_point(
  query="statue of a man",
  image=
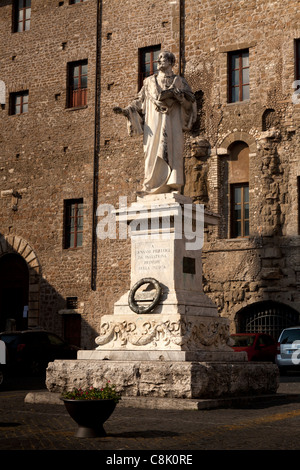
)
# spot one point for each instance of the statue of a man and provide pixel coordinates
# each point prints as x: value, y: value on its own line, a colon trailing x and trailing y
x: 162, y: 110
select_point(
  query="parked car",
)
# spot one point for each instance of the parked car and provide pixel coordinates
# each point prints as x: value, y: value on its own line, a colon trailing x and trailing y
x: 30, y: 351
x: 288, y: 349
x: 258, y: 346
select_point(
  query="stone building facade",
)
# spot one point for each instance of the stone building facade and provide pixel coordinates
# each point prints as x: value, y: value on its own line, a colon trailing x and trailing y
x: 59, y: 156
x: 47, y: 161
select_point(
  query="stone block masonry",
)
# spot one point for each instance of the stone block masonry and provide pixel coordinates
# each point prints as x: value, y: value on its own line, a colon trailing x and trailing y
x: 47, y: 153
x: 165, y: 379
x: 236, y: 273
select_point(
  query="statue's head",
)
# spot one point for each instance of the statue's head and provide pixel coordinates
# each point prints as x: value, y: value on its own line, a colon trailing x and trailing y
x: 169, y: 56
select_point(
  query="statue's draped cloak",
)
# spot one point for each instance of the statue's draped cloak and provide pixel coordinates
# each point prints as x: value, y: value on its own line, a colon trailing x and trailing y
x: 162, y: 123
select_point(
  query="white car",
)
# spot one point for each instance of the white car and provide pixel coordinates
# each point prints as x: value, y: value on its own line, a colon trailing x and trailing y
x: 288, y: 349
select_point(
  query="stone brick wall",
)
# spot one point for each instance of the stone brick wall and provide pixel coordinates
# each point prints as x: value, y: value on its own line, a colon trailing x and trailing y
x: 47, y: 154
x: 52, y: 153
x: 260, y: 268
x: 124, y: 31
x: 267, y: 123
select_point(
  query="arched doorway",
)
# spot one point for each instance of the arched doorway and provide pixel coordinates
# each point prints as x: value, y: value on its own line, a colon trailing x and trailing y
x: 14, y: 290
x: 266, y: 317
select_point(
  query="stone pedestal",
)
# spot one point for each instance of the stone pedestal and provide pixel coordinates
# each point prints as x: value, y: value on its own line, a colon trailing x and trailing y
x: 166, y: 241
x: 177, y: 346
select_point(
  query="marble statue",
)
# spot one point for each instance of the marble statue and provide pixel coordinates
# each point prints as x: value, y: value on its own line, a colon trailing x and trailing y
x: 164, y: 108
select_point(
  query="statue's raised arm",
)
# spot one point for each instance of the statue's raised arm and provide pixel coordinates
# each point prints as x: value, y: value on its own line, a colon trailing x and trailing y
x: 119, y: 110
x: 163, y: 109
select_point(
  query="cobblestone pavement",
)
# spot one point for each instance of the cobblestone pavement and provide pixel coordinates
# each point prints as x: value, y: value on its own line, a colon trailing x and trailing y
x: 269, y: 425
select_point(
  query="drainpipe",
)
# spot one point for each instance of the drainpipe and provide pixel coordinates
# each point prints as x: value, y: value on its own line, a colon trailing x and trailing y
x: 96, y: 146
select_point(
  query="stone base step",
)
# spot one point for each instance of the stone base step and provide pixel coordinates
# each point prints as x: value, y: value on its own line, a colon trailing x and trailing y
x: 165, y: 379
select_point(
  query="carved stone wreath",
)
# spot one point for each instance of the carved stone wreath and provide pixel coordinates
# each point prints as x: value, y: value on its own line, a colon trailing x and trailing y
x: 131, y: 297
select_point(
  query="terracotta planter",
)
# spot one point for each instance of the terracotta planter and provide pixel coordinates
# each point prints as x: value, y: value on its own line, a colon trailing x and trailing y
x: 90, y: 415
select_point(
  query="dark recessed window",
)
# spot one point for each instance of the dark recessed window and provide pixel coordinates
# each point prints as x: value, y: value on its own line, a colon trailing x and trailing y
x: 22, y: 15
x: 239, y: 210
x: 72, y: 328
x: 238, y: 74
x: 148, y: 62
x: 19, y: 102
x: 73, y: 224
x: 72, y: 303
x: 77, y: 84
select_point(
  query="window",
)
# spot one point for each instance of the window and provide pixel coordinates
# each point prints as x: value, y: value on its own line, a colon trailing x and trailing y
x: 19, y: 102
x: 72, y: 2
x: 234, y: 191
x: 238, y: 72
x: 240, y: 210
x: 72, y: 303
x: 22, y: 9
x: 147, y: 62
x: 73, y: 223
x: 77, y: 86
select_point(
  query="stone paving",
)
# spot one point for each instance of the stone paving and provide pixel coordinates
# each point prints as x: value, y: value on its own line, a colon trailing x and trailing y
x: 262, y: 425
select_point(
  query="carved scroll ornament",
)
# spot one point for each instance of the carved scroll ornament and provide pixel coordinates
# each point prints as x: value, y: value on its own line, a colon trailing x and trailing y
x: 180, y: 333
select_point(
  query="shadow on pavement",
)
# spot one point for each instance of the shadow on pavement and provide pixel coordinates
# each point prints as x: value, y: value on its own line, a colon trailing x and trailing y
x: 23, y: 383
x: 145, y: 434
x: 9, y: 425
x: 290, y: 377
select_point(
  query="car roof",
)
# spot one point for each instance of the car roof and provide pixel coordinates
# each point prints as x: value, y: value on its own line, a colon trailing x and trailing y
x: 292, y: 328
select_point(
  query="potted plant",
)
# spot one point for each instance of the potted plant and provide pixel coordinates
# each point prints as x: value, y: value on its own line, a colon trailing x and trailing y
x: 90, y: 408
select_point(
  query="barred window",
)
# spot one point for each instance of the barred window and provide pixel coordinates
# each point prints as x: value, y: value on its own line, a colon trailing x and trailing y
x: 72, y: 303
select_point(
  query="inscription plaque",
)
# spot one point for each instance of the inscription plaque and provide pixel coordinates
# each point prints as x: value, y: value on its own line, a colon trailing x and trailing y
x: 149, y: 257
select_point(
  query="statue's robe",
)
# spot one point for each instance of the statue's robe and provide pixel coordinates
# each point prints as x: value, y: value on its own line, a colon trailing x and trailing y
x: 162, y: 119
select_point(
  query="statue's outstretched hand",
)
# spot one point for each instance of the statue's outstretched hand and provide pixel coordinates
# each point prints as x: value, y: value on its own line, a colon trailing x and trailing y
x: 119, y: 110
